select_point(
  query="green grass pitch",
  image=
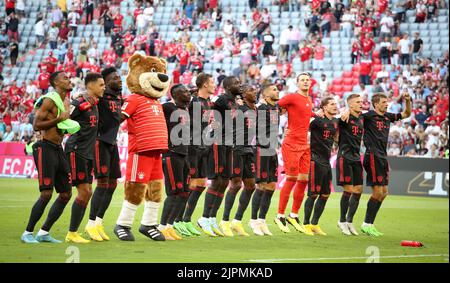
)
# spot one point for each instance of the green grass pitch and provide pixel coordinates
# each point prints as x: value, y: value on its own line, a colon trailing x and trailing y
x: 400, y: 218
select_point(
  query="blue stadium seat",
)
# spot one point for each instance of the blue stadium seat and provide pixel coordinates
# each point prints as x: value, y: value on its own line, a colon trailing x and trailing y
x: 437, y: 54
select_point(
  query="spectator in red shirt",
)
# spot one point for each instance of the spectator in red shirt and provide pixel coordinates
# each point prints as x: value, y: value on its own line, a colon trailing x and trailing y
x: 315, y: 5
x: 118, y: 18
x: 205, y: 23
x: 382, y: 6
x: 183, y: 58
x: 212, y: 5
x: 366, y: 29
x: 63, y: 31
x: 172, y: 49
x: 51, y: 62
x: 185, y: 23
x: 43, y: 79
x: 14, y: 89
x: 256, y: 15
x: 138, y: 10
x: 10, y: 6
x: 319, y: 54
x: 373, y: 23
x: 128, y: 38
x: 176, y: 75
x: 305, y: 55
x: 365, y: 71
x: 7, y: 116
x: 286, y: 69
x: 197, y: 62
x: 368, y: 45
x: 186, y: 78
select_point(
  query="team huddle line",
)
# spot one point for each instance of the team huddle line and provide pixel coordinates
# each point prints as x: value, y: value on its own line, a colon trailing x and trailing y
x: 232, y: 141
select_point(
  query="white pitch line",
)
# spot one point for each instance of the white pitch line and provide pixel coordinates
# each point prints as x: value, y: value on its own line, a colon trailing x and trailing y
x: 342, y: 258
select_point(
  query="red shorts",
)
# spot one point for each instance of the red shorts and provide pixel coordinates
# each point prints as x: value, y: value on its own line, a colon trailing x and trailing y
x: 143, y: 167
x: 296, y: 161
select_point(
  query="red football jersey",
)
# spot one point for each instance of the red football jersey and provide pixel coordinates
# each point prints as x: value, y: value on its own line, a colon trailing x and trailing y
x: 44, y: 82
x: 305, y: 54
x: 147, y: 129
x: 299, y: 108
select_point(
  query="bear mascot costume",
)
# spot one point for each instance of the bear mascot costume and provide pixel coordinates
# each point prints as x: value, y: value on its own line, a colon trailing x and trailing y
x: 147, y: 81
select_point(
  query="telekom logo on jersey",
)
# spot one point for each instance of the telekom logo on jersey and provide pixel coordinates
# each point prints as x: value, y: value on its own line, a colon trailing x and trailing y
x: 231, y: 132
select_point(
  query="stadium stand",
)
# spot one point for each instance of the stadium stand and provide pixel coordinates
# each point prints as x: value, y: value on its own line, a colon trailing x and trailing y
x: 192, y: 37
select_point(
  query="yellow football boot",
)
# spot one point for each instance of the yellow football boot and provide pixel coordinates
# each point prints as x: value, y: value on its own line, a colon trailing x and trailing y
x: 75, y: 237
x: 93, y: 234
x: 238, y: 228
x: 101, y: 232
x: 317, y: 230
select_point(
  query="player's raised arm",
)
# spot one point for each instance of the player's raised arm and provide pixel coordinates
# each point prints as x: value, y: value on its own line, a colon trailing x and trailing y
x: 407, y: 112
x: 41, y: 123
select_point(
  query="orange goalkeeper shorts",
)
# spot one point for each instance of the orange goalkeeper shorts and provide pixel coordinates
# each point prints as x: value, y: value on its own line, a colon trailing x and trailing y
x: 296, y: 161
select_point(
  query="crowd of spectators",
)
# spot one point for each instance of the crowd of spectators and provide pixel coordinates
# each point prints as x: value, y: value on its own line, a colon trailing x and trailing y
x: 372, y: 25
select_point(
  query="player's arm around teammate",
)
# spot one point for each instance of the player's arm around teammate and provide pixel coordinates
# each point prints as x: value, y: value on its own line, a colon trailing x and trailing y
x: 349, y: 170
x: 198, y: 153
x: 107, y: 161
x: 175, y: 161
x: 296, y: 152
x: 80, y: 152
x: 323, y: 133
x: 243, y: 167
x: 376, y: 125
x: 266, y: 163
x: 221, y: 156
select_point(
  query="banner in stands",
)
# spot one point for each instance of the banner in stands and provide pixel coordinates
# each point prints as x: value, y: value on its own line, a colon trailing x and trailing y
x: 409, y: 176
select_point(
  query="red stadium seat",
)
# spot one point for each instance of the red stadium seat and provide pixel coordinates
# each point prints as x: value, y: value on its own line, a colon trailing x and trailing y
x: 347, y: 74
x: 348, y: 88
x: 376, y: 61
x: 376, y: 55
x: 356, y: 81
x: 338, y: 88
x: 355, y: 68
x: 355, y: 74
x: 348, y: 81
x: 337, y: 81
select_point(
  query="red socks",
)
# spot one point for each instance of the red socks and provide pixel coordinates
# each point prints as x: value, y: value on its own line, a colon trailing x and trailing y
x: 285, y: 194
x: 299, y: 193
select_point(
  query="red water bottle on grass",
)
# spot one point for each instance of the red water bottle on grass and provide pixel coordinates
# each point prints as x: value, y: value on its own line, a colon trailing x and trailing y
x: 411, y: 244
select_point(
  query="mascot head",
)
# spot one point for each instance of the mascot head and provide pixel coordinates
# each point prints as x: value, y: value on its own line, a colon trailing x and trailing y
x: 147, y: 76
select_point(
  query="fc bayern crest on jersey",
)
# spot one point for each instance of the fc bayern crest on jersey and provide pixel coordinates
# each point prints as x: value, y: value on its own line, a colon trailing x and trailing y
x: 156, y: 110
x: 141, y: 175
